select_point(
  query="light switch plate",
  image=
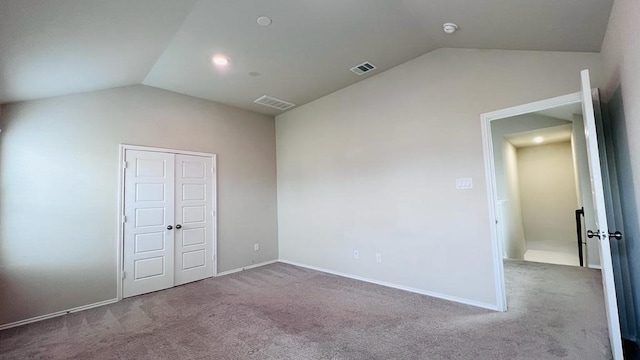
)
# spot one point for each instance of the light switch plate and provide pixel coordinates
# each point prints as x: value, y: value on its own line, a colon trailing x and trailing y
x: 464, y: 183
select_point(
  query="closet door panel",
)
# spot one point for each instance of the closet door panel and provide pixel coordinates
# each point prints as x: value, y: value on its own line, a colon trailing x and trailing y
x: 148, y: 256
x: 193, y: 209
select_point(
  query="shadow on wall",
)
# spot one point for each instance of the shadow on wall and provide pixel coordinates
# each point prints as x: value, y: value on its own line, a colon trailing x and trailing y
x: 6, y: 287
x: 625, y: 184
x: 38, y: 275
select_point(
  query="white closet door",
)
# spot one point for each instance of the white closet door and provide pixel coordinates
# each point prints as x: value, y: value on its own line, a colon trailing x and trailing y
x: 194, y: 222
x: 149, y: 219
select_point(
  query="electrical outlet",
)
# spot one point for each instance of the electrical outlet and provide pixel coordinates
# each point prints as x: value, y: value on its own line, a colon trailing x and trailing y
x: 356, y: 254
x: 256, y: 247
x: 378, y: 257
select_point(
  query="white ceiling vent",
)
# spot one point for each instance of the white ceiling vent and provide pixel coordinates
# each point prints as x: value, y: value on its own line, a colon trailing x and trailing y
x: 365, y: 67
x: 273, y: 102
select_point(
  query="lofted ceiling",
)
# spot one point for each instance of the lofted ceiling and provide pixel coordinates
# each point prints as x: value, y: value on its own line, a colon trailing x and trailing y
x: 57, y: 47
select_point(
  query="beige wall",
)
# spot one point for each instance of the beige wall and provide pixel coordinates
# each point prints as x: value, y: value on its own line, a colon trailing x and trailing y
x: 548, y: 196
x: 372, y: 167
x: 59, y: 182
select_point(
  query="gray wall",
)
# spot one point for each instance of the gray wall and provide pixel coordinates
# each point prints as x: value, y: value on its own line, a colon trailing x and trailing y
x: 59, y: 183
x: 621, y: 59
x: 372, y: 167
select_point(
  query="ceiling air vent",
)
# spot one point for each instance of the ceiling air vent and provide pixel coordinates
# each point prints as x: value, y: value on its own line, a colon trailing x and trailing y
x: 365, y: 67
x: 273, y: 102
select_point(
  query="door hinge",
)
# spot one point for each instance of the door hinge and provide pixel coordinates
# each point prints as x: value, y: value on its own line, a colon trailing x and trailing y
x: 124, y: 275
x: 213, y: 170
x: 124, y: 219
x: 125, y: 164
x: 213, y: 213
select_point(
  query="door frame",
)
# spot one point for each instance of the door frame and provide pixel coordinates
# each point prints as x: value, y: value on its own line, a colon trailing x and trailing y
x: 489, y: 165
x: 120, y: 224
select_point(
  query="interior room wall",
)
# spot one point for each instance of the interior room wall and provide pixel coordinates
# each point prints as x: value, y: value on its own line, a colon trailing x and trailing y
x: 515, y: 242
x: 372, y: 168
x: 621, y: 59
x: 59, y: 177
x: 548, y: 196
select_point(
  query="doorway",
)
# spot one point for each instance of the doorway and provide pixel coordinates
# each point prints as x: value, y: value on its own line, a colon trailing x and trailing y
x: 168, y: 227
x: 589, y: 100
x: 542, y: 184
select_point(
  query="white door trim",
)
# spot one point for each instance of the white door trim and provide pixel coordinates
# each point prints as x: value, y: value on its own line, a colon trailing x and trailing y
x: 489, y: 166
x: 120, y: 232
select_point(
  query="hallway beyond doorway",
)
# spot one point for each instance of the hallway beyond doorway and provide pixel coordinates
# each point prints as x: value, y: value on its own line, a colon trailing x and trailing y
x: 552, y: 257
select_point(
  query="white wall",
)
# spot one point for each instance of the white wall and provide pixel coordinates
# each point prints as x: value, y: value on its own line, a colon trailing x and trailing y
x: 515, y: 242
x: 548, y: 195
x: 59, y: 182
x: 372, y: 167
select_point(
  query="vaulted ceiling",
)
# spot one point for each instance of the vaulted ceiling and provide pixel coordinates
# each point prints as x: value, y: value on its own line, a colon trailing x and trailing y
x: 57, y: 47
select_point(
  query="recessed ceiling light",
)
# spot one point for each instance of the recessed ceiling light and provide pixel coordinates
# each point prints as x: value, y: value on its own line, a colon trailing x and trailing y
x: 220, y: 60
x: 538, y: 139
x: 264, y: 20
x: 450, y: 28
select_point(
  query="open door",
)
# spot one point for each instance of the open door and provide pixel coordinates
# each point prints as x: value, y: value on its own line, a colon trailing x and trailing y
x: 602, y: 232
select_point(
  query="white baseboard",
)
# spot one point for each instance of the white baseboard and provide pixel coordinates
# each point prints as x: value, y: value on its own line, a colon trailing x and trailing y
x: 591, y: 266
x: 246, y: 268
x: 400, y: 287
x: 56, y: 314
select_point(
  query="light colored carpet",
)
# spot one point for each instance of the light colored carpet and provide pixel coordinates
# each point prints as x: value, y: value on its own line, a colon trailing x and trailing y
x: 552, y: 257
x: 281, y: 311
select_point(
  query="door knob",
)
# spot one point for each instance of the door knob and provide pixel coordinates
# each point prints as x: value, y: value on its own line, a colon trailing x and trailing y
x: 169, y: 227
x: 616, y: 235
x: 178, y: 226
x: 592, y: 234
